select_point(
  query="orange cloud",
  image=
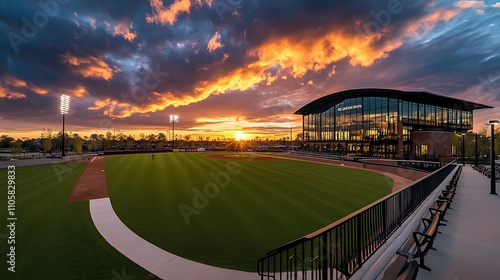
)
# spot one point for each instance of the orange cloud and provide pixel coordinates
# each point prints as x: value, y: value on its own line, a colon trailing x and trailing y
x: 333, y: 71
x: 13, y: 81
x: 252, y: 127
x: 10, y: 95
x: 471, y: 4
x: 496, y: 5
x: 123, y: 29
x: 109, y: 105
x: 89, y: 66
x: 39, y: 90
x: 315, y: 53
x: 79, y: 91
x: 3, y: 92
x: 207, y: 120
x: 162, y: 15
x: 424, y: 25
x: 214, y: 43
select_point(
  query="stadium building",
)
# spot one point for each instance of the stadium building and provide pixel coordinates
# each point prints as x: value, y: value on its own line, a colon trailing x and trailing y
x: 386, y: 123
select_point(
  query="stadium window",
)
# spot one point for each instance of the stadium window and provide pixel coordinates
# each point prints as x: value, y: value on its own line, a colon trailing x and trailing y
x: 445, y: 116
x: 421, y: 113
x: 413, y: 112
x: 424, y: 149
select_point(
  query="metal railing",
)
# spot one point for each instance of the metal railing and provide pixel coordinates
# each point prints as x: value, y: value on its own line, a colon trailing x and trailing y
x: 339, y: 250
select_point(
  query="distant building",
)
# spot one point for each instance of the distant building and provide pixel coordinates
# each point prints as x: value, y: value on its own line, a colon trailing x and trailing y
x: 386, y: 123
x: 38, y: 145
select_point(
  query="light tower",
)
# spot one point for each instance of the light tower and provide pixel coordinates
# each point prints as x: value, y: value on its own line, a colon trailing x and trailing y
x: 493, y: 182
x: 64, y: 110
x: 173, y: 120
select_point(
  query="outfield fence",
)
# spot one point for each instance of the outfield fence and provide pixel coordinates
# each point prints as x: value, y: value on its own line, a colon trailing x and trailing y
x: 339, y: 250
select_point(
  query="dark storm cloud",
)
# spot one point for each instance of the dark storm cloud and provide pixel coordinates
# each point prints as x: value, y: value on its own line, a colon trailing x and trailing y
x: 462, y: 56
x: 80, y: 39
x: 298, y: 19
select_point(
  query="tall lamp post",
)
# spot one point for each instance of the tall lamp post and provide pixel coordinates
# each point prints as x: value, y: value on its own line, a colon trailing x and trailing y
x: 476, y: 156
x: 492, y: 156
x: 463, y: 149
x: 173, y: 120
x: 64, y: 110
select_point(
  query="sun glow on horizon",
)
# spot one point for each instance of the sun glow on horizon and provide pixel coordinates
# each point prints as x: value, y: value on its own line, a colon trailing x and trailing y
x: 240, y: 136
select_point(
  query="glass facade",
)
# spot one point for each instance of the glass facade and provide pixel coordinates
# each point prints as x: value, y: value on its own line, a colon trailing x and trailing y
x: 437, y: 116
x: 379, y: 125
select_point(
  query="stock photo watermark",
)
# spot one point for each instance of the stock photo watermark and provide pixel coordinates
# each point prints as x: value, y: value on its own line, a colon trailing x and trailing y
x: 491, y: 83
x: 39, y: 19
x: 11, y: 219
x: 224, y: 6
x: 61, y: 169
x: 122, y: 275
x: 381, y: 18
x: 151, y: 81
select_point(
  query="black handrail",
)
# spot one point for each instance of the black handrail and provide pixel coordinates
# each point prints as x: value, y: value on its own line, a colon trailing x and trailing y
x: 338, y: 250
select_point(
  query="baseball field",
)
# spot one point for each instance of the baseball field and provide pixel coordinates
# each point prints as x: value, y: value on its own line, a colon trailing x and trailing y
x: 221, y: 209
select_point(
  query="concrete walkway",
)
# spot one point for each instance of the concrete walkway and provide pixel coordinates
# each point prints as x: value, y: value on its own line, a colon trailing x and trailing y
x: 469, y: 246
x: 152, y: 258
x: 29, y: 162
x: 42, y: 161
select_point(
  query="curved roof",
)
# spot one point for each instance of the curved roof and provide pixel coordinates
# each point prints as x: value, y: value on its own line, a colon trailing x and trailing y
x: 326, y: 102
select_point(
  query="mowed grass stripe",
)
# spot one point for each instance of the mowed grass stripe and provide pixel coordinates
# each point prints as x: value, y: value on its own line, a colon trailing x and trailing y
x: 56, y: 239
x: 267, y: 204
x: 275, y: 185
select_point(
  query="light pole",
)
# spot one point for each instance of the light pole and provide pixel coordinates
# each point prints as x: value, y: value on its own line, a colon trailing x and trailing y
x: 64, y: 110
x: 173, y: 120
x: 493, y: 185
x: 475, y: 161
x: 463, y: 149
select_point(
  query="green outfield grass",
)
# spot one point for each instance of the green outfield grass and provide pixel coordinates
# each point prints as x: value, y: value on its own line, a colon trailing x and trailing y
x: 56, y: 239
x: 252, y: 206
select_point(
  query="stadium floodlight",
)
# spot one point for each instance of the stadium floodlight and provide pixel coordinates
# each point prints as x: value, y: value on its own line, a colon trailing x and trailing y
x: 493, y: 186
x: 64, y: 104
x: 173, y: 119
x: 64, y: 108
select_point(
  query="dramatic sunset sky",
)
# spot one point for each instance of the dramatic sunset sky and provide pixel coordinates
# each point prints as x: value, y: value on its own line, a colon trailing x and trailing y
x: 232, y: 66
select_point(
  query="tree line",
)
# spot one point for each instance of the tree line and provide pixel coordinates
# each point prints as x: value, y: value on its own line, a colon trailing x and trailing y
x: 50, y: 142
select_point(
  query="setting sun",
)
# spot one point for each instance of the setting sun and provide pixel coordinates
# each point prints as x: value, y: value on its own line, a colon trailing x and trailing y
x: 240, y: 136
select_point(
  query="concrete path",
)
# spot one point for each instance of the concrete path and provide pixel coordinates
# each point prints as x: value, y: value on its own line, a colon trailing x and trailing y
x: 152, y: 258
x: 469, y: 246
x: 42, y: 161
x: 29, y: 162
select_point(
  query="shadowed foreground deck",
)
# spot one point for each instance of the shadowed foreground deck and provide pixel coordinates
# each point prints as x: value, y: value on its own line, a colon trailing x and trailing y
x: 469, y: 246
